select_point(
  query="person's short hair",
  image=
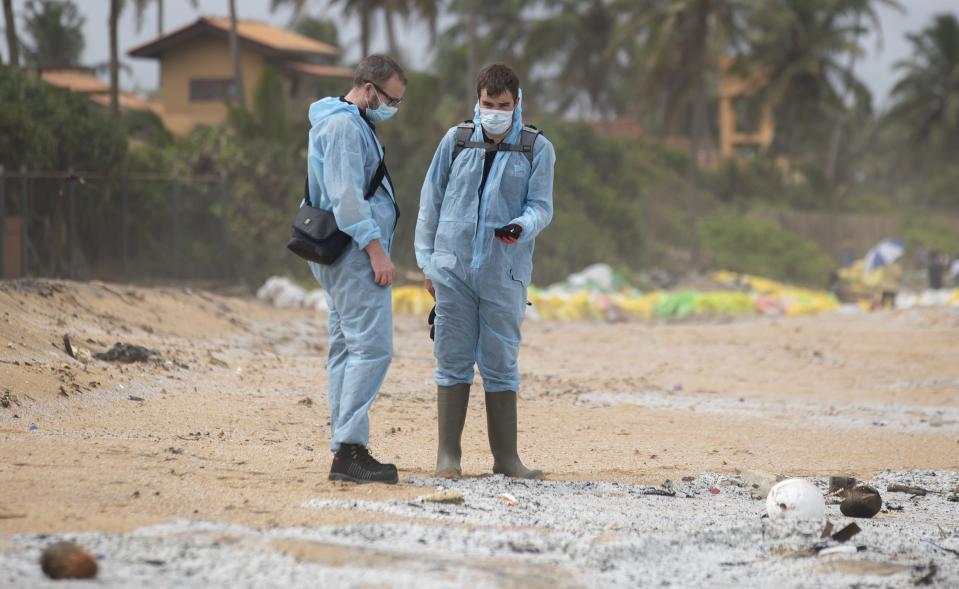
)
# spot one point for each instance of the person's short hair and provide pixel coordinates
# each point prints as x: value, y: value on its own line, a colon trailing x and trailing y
x: 378, y: 69
x: 496, y: 79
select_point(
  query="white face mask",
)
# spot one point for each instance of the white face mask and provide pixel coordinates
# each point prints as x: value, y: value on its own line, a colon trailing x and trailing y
x: 496, y: 122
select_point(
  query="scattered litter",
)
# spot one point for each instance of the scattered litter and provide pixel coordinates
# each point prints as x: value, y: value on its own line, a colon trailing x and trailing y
x: 450, y: 496
x: 8, y: 399
x: 795, y: 499
x: 217, y: 362
x: 68, y: 347
x: 306, y: 402
x: 67, y: 560
x: 862, y: 501
x: 896, y: 488
x: 508, y: 499
x: 34, y: 427
x: 846, y: 533
x: 126, y: 353
x: 928, y: 573
x: 666, y: 490
x: 714, y: 490
x: 134, y: 398
x: 760, y: 482
x: 839, y: 485
x: 844, y: 549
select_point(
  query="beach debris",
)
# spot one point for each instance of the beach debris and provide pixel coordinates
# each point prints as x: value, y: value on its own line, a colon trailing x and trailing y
x: 759, y: 482
x: 134, y: 398
x: 842, y: 549
x: 444, y: 496
x: 927, y: 572
x: 33, y: 427
x: 795, y: 499
x: 305, y: 401
x: 68, y: 347
x: 68, y: 560
x: 845, y: 534
x: 8, y: 399
x: 508, y: 499
x: 861, y: 501
x: 914, y: 491
x: 940, y: 547
x: 126, y: 353
x: 838, y: 485
x: 666, y: 490
x: 714, y: 490
x: 217, y: 362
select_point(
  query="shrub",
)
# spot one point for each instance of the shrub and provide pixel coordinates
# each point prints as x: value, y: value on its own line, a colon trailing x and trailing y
x: 753, y: 246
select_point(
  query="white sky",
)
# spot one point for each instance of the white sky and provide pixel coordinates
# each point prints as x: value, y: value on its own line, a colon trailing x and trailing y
x: 875, y: 68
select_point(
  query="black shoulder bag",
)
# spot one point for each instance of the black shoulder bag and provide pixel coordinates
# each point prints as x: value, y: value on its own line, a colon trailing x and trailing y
x: 316, y: 237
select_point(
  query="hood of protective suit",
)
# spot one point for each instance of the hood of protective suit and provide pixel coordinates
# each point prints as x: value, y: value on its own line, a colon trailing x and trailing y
x: 321, y: 109
x: 517, y: 128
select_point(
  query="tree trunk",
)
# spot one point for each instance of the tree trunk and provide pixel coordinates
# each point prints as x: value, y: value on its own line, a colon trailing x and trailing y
x: 700, y: 104
x: 12, y: 48
x: 240, y: 90
x: 389, y: 17
x: 473, y: 57
x: 114, y: 59
x: 159, y: 34
x: 365, y: 15
x: 841, y: 122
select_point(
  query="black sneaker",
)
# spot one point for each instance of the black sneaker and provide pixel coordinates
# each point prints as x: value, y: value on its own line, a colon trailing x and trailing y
x: 352, y: 462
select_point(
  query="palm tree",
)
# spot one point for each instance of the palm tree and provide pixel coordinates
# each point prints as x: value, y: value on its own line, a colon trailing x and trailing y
x: 56, y: 31
x: 808, y: 49
x: 116, y: 7
x: 687, y: 41
x: 11, y: 26
x: 926, y: 96
x: 239, y: 89
x: 365, y: 10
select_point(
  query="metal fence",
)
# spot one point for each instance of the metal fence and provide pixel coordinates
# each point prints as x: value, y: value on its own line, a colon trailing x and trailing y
x: 114, y: 227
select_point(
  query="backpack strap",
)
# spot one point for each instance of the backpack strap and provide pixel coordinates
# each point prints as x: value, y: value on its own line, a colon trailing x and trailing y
x: 464, y: 131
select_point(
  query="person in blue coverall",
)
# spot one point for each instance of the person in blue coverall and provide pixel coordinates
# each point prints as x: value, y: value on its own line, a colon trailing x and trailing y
x: 343, y: 158
x: 487, y: 195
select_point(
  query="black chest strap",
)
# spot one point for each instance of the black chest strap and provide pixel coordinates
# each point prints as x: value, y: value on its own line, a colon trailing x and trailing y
x: 464, y: 134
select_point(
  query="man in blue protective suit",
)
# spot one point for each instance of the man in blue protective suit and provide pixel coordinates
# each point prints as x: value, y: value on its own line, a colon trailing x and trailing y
x: 487, y: 195
x: 344, y: 159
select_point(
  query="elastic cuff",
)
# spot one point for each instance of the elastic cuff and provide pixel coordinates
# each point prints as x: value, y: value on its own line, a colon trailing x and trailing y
x: 365, y: 232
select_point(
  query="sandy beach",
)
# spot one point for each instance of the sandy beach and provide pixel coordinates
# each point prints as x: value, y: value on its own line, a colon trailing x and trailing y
x: 224, y: 434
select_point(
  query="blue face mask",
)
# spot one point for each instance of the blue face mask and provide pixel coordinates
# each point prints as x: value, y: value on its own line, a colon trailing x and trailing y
x: 496, y: 122
x: 380, y: 114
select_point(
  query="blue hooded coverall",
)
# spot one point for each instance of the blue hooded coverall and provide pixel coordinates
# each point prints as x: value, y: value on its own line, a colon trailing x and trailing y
x: 343, y: 156
x: 480, y: 282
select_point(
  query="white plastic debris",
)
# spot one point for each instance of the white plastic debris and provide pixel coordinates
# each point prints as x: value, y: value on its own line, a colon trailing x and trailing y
x: 508, y: 499
x: 279, y: 291
x: 316, y: 300
x: 795, y: 499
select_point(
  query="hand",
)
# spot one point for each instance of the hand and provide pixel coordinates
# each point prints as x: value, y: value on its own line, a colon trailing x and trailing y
x: 429, y: 288
x: 383, y: 269
x: 508, y: 240
x: 509, y: 234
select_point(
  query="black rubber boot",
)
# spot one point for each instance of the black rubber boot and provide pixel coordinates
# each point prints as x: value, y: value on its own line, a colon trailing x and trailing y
x: 451, y: 403
x: 501, y: 425
x: 353, y: 462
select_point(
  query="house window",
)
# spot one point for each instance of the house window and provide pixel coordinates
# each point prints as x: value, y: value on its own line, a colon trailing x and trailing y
x: 211, y: 89
x: 748, y: 112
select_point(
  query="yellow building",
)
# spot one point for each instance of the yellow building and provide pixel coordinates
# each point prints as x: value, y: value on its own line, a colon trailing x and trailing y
x: 746, y: 124
x: 196, y: 68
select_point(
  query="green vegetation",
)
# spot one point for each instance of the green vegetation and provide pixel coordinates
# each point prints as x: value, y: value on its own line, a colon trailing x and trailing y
x: 753, y: 246
x: 632, y: 199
